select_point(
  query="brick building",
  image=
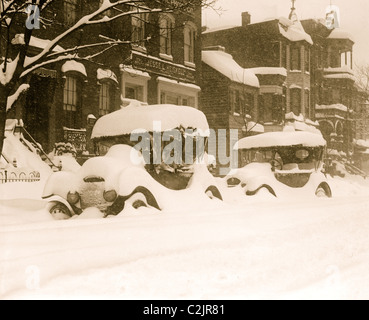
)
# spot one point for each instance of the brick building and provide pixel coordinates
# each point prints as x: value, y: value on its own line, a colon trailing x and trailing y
x: 160, y: 65
x: 229, y: 98
x: 280, y: 51
x: 335, y: 94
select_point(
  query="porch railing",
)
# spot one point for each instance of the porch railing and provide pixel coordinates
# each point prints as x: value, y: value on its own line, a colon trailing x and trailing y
x: 11, y: 176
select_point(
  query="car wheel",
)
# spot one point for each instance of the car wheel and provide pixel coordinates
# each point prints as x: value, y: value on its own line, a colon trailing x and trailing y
x: 323, y: 191
x: 146, y: 199
x: 260, y: 189
x: 137, y: 201
x: 214, y: 193
x: 59, y: 211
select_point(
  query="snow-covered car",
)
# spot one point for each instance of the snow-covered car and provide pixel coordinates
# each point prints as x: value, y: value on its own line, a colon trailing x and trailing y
x: 282, y: 163
x: 125, y: 172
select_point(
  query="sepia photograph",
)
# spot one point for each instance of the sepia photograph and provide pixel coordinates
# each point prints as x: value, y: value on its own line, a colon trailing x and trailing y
x: 184, y: 150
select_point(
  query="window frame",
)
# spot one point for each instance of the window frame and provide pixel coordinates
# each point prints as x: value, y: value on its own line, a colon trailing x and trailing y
x: 106, y: 97
x: 166, y: 34
x: 189, y: 30
x: 293, y: 107
x: 138, y: 23
x: 70, y: 12
x: 71, y: 100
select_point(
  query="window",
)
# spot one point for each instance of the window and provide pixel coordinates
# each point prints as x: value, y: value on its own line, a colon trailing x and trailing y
x: 167, y: 97
x: 238, y: 106
x: 134, y: 92
x: 307, y: 102
x: 166, y: 27
x: 296, y: 101
x: 70, y: 102
x: 295, y: 58
x: 307, y: 59
x: 284, y: 56
x: 189, y: 43
x: 105, y: 98
x: 70, y: 12
x: 138, y: 29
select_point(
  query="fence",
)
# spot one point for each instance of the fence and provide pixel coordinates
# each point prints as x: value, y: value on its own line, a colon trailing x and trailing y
x: 7, y: 176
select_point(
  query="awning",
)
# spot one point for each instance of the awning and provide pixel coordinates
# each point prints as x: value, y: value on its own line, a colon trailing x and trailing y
x: 74, y: 66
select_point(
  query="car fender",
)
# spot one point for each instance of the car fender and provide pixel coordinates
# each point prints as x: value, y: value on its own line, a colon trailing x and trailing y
x: 55, y: 198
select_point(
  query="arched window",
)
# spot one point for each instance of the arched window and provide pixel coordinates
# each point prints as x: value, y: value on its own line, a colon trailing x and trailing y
x: 166, y: 27
x: 189, y: 42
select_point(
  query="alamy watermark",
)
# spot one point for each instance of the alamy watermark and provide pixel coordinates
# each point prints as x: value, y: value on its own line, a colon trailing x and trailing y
x: 186, y: 147
x: 33, y: 18
x: 333, y: 17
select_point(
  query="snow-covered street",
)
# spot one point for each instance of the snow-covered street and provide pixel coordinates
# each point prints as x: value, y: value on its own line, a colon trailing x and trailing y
x: 258, y: 248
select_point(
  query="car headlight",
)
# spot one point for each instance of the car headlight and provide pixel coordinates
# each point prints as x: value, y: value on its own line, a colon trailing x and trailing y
x: 73, y: 198
x: 110, y: 196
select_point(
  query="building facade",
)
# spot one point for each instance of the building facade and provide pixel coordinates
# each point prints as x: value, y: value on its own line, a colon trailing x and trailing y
x: 229, y: 100
x: 335, y: 94
x: 160, y: 62
x: 279, y: 52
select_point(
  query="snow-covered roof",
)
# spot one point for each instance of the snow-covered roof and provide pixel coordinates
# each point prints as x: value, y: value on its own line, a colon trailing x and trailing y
x: 35, y: 42
x: 293, y: 31
x: 340, y: 76
x: 134, y: 72
x: 155, y: 118
x: 106, y: 74
x: 182, y: 84
x: 281, y: 139
x: 344, y: 69
x: 269, y: 71
x: 338, y: 106
x: 341, y: 34
x: 75, y: 66
x: 224, y: 63
x: 222, y: 28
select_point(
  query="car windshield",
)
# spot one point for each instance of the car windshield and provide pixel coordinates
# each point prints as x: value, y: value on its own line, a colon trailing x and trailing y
x: 285, y: 158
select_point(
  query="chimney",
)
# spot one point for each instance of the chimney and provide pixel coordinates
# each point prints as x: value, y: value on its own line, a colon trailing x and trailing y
x: 246, y: 19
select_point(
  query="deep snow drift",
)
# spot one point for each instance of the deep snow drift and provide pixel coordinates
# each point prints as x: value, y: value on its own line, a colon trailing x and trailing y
x: 247, y: 247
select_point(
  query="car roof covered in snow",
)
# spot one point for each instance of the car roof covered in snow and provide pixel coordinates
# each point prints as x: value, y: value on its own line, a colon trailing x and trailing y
x: 281, y: 139
x: 154, y: 118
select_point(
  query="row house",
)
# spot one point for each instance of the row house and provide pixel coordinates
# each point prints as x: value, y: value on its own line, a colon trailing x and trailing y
x: 335, y: 94
x: 279, y: 52
x: 229, y: 99
x: 160, y: 63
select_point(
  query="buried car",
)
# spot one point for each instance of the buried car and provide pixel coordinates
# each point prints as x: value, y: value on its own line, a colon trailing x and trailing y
x: 281, y: 163
x: 149, y: 156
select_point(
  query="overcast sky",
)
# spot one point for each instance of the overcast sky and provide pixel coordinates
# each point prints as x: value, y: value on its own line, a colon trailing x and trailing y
x: 354, y: 16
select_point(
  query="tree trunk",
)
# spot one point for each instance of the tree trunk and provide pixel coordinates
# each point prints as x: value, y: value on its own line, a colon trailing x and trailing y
x: 3, y: 104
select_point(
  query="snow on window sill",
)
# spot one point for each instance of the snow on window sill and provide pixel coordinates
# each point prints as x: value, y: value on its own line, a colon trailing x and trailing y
x: 166, y: 56
x: 190, y: 64
x: 139, y: 48
x: 296, y: 71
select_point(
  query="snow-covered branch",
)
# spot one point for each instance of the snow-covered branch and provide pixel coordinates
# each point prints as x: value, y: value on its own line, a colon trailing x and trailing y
x: 13, y: 98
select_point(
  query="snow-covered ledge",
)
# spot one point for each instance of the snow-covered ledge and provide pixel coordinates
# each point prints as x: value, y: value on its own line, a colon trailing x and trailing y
x: 74, y: 66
